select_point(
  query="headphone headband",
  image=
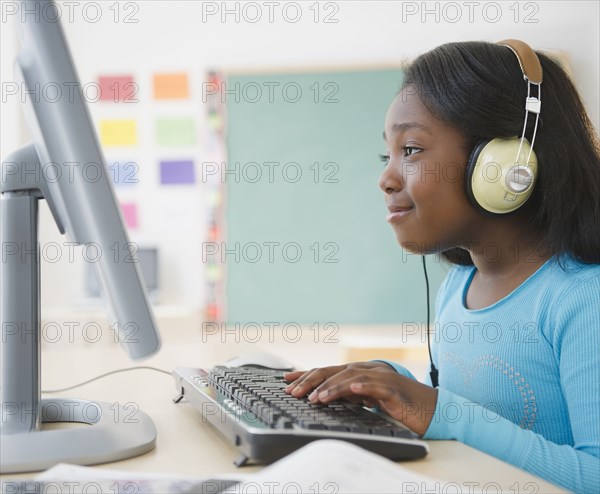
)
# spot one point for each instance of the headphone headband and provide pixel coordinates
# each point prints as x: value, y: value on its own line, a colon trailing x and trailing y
x: 528, y: 60
x: 532, y: 73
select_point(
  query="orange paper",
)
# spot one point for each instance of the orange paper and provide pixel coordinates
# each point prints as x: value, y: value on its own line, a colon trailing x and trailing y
x: 171, y: 86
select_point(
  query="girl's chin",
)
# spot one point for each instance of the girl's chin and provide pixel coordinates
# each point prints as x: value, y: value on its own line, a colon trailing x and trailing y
x: 416, y: 246
x: 412, y: 246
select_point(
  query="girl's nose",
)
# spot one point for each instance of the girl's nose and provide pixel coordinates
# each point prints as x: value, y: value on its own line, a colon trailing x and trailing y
x: 391, y: 180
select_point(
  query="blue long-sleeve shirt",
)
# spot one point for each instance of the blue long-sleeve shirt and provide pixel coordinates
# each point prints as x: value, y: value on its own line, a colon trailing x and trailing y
x: 520, y: 379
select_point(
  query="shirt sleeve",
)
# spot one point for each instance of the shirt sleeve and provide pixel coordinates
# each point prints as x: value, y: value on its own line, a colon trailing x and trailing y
x: 574, y: 332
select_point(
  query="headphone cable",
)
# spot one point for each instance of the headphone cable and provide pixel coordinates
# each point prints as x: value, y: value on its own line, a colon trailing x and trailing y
x: 433, y: 372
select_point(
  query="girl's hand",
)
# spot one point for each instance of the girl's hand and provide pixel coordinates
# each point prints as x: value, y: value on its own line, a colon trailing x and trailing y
x: 373, y: 384
x: 304, y: 382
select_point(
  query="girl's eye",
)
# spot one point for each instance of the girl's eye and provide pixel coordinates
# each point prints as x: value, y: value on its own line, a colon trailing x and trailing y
x: 410, y: 150
x: 384, y: 158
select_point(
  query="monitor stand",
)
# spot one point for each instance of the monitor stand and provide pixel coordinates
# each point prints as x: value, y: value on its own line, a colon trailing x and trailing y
x: 111, y: 434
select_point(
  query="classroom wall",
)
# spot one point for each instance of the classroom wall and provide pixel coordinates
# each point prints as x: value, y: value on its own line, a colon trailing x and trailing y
x: 145, y: 37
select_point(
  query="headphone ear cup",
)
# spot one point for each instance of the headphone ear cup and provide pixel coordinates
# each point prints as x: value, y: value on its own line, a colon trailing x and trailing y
x: 495, y: 183
x: 470, y: 170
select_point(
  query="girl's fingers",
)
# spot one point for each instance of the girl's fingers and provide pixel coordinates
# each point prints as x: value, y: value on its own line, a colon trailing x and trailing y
x: 293, y: 375
x: 374, y: 391
x: 310, y: 380
x: 306, y: 382
x: 354, y: 387
x: 292, y: 378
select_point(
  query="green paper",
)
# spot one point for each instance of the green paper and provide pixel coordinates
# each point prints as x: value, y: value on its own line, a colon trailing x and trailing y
x: 175, y: 131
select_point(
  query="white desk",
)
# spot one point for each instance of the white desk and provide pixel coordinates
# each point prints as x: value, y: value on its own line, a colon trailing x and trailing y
x: 189, y: 447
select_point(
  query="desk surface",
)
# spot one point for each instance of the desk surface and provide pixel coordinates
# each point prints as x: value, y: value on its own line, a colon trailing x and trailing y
x: 188, y: 446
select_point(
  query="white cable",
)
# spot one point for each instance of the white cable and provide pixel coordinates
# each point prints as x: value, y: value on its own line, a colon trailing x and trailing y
x: 60, y: 390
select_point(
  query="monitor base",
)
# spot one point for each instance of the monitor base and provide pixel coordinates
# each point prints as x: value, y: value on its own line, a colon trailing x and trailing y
x: 114, y: 432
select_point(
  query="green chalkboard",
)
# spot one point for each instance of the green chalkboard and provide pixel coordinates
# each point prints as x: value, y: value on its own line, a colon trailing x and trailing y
x: 307, y: 239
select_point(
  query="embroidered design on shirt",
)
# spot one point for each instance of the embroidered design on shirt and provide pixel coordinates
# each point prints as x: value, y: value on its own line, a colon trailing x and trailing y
x: 527, y: 394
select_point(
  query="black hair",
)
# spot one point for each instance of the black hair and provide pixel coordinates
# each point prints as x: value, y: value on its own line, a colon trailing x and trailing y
x: 478, y: 88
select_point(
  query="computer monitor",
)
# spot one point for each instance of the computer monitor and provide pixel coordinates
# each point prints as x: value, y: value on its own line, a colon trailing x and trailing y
x: 64, y: 165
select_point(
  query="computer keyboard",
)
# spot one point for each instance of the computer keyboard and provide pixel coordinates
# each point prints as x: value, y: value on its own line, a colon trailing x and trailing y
x: 250, y: 408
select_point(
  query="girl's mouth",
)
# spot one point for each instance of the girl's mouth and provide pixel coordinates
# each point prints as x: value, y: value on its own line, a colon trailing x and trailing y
x: 397, y: 212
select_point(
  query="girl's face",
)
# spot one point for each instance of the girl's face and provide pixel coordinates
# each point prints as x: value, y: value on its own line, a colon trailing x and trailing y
x: 423, y: 180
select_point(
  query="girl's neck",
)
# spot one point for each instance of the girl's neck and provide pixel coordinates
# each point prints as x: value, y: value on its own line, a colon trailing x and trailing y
x: 508, y: 252
x: 503, y: 265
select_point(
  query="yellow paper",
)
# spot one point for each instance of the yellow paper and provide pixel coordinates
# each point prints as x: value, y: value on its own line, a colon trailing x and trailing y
x: 118, y: 132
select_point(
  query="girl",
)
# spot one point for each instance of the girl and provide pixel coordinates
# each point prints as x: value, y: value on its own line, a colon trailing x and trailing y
x: 518, y: 317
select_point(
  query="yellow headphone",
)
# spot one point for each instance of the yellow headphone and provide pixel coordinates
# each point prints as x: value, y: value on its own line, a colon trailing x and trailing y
x: 501, y: 173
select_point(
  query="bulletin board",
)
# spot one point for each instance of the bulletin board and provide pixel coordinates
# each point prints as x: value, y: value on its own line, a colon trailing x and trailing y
x: 153, y: 130
x: 307, y: 239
